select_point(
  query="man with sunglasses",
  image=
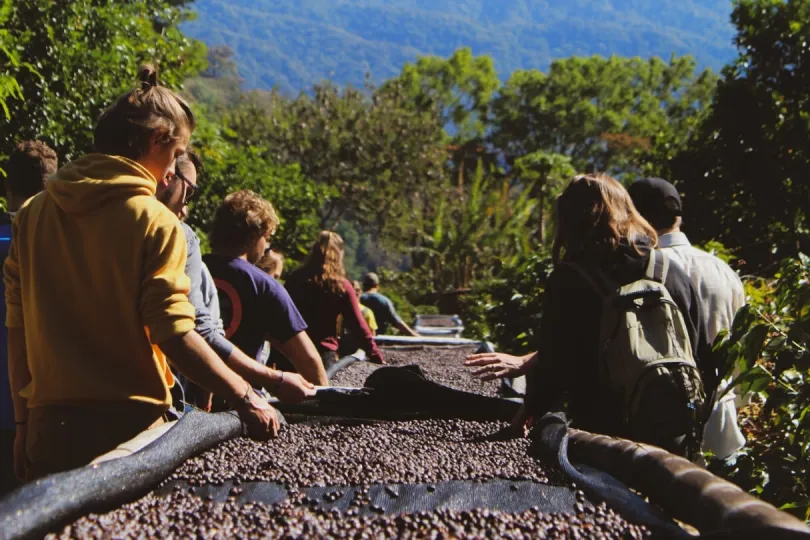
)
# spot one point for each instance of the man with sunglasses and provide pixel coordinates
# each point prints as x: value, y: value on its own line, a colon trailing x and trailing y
x: 175, y: 191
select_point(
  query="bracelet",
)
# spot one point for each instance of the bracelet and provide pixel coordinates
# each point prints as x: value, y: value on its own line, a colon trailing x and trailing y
x: 280, y: 380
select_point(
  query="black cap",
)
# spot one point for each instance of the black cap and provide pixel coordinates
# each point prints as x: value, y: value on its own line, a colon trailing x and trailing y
x: 656, y: 200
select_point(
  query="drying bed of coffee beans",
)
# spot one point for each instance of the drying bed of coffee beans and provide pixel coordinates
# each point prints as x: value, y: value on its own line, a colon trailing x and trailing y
x: 443, y: 365
x: 419, y: 451
x: 182, y: 515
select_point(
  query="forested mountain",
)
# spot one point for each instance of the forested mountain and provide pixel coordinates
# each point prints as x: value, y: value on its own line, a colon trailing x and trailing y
x: 296, y: 43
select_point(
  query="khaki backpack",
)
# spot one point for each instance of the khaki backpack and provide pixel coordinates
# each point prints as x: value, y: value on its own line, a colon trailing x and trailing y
x: 646, y: 359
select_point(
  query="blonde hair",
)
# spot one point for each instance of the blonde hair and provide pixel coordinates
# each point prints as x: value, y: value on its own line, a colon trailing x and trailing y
x: 595, y: 213
x: 324, y: 267
x: 241, y: 218
x: 270, y: 262
x: 126, y: 128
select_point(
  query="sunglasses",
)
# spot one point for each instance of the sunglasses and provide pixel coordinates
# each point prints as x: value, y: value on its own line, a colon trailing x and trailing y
x: 191, y: 189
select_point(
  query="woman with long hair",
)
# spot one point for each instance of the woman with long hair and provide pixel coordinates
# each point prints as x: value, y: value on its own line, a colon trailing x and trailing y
x: 322, y: 293
x: 601, y: 234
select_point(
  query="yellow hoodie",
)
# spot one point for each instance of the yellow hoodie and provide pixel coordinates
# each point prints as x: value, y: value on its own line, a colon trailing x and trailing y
x: 95, y: 274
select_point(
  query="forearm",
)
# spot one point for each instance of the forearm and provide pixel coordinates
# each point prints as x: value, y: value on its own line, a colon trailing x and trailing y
x: 196, y: 360
x: 249, y: 369
x: 405, y: 329
x: 300, y: 350
x: 18, y: 374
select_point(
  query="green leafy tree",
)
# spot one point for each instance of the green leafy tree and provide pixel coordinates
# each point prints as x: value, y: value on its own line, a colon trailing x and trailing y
x: 476, y: 232
x: 548, y: 175
x: 9, y: 87
x: 380, y: 159
x: 746, y: 173
x: 607, y: 114
x: 219, y: 86
x: 460, y: 88
x: 230, y: 166
x: 84, y: 53
x: 516, y: 300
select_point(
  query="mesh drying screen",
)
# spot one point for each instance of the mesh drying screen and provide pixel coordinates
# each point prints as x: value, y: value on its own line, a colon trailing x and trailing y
x: 186, y: 516
x: 409, y: 478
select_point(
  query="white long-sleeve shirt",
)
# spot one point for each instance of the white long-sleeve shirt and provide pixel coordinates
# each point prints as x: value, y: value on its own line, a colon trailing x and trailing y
x: 721, y: 295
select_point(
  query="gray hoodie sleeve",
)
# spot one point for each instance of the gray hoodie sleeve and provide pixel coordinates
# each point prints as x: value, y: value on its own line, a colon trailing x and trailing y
x: 207, y: 324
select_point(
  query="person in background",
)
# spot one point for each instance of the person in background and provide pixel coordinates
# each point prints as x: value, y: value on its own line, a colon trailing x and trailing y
x: 600, y: 233
x: 368, y: 315
x: 349, y: 342
x: 381, y: 305
x: 27, y: 169
x: 321, y: 291
x: 96, y: 296
x: 175, y: 191
x: 254, y: 305
x: 272, y: 263
x: 719, y: 289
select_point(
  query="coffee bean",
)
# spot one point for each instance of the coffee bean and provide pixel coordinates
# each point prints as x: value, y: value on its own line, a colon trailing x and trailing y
x: 443, y: 365
x: 182, y: 515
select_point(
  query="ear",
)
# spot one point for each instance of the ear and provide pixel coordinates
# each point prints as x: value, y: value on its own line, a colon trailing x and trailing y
x: 159, y: 138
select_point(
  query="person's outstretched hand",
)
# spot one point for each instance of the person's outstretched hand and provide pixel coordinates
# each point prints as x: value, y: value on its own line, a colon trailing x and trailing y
x: 493, y: 365
x: 292, y: 388
x: 259, y: 417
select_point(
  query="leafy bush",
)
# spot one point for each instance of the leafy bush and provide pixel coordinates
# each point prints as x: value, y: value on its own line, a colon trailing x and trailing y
x: 768, y: 346
x: 517, y: 305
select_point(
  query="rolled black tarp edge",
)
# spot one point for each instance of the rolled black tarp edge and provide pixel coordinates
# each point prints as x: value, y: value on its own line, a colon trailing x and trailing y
x: 550, y: 439
x: 341, y: 364
x: 37, y: 508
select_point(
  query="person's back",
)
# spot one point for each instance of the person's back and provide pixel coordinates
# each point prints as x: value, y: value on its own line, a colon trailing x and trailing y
x: 718, y: 286
x: 571, y: 329
x: 96, y: 291
x: 322, y: 292
x: 383, y: 309
x: 600, y: 230
x: 252, y: 304
x: 720, y: 292
x: 99, y: 215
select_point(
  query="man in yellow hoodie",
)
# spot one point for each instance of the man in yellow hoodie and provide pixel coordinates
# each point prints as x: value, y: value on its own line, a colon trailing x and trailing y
x: 96, y: 294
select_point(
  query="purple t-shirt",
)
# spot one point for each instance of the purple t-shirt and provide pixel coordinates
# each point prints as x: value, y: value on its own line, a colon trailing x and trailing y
x: 253, y: 305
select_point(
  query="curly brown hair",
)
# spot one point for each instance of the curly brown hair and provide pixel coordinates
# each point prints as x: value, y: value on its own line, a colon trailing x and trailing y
x: 594, y: 214
x: 324, y: 267
x: 241, y: 218
x: 29, y: 165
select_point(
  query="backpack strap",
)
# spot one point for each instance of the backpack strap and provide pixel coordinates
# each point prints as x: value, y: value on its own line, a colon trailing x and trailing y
x: 657, y: 266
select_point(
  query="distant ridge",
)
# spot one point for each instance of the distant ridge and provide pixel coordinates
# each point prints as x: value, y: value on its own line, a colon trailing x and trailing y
x: 293, y: 44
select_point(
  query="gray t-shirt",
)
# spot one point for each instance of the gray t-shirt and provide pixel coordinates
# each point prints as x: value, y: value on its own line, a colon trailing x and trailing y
x: 203, y: 296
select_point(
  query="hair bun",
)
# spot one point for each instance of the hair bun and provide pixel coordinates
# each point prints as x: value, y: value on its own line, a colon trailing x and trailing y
x: 148, y: 77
